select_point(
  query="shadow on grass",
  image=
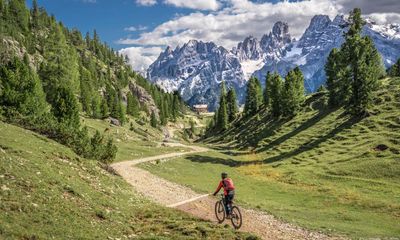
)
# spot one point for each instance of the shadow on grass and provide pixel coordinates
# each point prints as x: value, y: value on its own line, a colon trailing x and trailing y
x: 304, y: 126
x: 305, y: 147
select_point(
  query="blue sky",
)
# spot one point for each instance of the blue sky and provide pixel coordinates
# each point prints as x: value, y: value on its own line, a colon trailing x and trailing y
x: 141, y: 29
x: 110, y: 17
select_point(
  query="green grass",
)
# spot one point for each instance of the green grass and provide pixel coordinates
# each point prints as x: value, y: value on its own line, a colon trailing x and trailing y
x: 47, y: 191
x: 321, y: 170
x: 143, y: 141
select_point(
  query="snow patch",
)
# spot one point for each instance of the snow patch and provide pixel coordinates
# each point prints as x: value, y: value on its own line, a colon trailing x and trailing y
x: 250, y: 66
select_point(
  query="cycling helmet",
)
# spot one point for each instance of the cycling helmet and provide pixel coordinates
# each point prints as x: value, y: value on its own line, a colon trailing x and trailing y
x: 224, y: 175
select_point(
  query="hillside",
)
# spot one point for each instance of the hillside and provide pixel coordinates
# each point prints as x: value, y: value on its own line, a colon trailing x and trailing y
x: 47, y: 191
x: 321, y: 169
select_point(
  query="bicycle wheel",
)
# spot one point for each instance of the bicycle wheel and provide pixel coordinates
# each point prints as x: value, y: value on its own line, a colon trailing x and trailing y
x: 236, y: 217
x: 220, y: 211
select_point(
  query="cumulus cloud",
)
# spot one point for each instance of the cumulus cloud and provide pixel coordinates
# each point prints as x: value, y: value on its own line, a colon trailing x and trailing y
x: 368, y: 6
x: 134, y: 29
x: 146, y: 2
x: 236, y: 19
x: 195, y: 4
x: 141, y: 57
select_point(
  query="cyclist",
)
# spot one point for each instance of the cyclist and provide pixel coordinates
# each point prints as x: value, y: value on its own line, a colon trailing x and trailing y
x: 229, y: 192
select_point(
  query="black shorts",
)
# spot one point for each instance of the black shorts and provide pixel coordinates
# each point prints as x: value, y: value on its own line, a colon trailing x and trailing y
x: 231, y: 195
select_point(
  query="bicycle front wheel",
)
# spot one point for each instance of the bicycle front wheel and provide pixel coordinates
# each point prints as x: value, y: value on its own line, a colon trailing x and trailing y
x: 236, y: 217
x: 220, y: 211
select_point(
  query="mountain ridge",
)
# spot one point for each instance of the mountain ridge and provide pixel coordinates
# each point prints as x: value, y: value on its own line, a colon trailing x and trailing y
x: 275, y: 51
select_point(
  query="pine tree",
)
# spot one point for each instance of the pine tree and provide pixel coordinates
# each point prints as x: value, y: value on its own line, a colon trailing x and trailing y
x: 365, y: 82
x: 222, y: 112
x: 65, y: 107
x: 276, y: 88
x: 254, y: 97
x: 364, y: 63
x: 85, y: 90
x: 175, y: 106
x: 266, y: 93
x: 18, y: 14
x: 394, y: 70
x: 222, y: 120
x: 337, y: 79
x: 232, y: 105
x: 21, y: 89
x: 95, y: 107
x: 132, y: 105
x: 292, y: 92
x: 354, y: 70
x: 104, y: 109
x: 153, y: 120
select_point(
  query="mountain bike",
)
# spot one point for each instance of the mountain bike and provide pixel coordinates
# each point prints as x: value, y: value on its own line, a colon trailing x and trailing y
x: 220, y: 213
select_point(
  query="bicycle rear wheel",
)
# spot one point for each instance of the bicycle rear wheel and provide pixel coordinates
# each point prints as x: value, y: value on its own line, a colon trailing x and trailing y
x: 236, y: 217
x: 220, y: 211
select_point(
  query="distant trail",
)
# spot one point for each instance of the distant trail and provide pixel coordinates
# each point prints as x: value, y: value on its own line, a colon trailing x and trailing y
x: 202, y: 206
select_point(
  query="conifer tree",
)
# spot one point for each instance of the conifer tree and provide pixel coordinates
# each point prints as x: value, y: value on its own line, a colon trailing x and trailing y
x: 232, y: 104
x: 153, y: 120
x: 266, y: 98
x: 353, y: 70
x: 276, y: 88
x: 222, y: 111
x: 394, y: 70
x: 254, y: 97
x: 132, y: 105
x: 21, y: 89
x: 95, y: 107
x: 65, y: 107
x: 292, y: 92
x: 104, y: 109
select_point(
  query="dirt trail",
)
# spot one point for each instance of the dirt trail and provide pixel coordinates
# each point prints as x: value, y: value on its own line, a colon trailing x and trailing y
x: 174, y: 195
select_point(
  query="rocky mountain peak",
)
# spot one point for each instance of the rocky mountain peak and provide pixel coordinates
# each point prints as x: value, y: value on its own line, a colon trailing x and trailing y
x: 249, y: 49
x: 280, y: 31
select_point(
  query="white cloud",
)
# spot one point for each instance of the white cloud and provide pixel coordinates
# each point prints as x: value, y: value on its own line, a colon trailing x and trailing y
x: 146, y: 2
x: 134, y: 29
x: 237, y: 19
x: 233, y: 23
x: 384, y: 18
x: 195, y: 4
x: 89, y: 1
x: 141, y: 57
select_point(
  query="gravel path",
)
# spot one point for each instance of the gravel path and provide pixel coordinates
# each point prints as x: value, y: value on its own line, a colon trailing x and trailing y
x: 174, y: 195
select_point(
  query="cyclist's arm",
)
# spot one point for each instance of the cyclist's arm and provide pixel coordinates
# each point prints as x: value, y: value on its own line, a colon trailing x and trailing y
x: 218, y: 188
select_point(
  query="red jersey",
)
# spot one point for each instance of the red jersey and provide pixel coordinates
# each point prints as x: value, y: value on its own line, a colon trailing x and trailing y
x: 227, y: 184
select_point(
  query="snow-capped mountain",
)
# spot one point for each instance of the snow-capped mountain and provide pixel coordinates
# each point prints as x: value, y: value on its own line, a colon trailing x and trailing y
x: 197, y: 69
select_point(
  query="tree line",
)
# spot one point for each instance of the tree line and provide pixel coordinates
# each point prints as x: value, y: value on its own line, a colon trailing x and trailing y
x: 353, y: 72
x: 50, y: 75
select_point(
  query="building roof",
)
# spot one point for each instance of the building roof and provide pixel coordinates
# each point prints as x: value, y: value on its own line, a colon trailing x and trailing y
x: 200, y: 106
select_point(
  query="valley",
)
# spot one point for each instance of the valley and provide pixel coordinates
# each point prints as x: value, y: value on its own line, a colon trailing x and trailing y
x: 300, y: 125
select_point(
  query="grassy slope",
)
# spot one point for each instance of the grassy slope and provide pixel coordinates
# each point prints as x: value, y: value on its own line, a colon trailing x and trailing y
x: 319, y: 169
x: 46, y: 191
x: 138, y: 143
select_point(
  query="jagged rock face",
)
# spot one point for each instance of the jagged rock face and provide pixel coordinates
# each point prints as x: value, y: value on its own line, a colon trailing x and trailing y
x: 275, y: 43
x: 249, y: 49
x: 197, y: 68
x: 144, y: 97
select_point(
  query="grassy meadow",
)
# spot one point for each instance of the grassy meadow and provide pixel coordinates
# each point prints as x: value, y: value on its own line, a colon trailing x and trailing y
x: 47, y: 191
x: 322, y: 169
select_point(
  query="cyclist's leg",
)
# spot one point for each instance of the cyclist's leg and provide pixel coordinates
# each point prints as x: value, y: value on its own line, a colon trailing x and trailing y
x: 230, y: 197
x: 226, y: 204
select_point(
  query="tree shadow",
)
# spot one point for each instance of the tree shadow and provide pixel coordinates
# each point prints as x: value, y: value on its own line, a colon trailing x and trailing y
x: 304, y: 126
x: 305, y: 147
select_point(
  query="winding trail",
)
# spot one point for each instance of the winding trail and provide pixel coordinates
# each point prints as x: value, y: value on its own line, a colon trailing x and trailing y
x: 202, y: 206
